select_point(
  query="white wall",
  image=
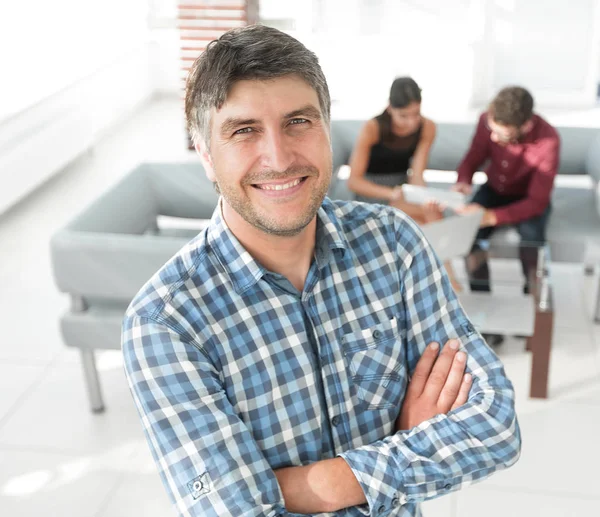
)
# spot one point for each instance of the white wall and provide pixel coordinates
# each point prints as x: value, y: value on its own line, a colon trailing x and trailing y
x: 41, y: 140
x: 461, y: 52
x: 165, y: 55
x: 71, y: 69
x: 552, y: 48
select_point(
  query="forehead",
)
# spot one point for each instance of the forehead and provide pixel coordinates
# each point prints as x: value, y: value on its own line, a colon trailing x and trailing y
x: 500, y: 127
x: 411, y: 108
x: 257, y: 98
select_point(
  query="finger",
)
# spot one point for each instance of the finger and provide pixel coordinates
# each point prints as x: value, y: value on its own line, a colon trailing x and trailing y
x: 441, y: 369
x: 453, y: 382
x: 463, y: 393
x: 423, y: 369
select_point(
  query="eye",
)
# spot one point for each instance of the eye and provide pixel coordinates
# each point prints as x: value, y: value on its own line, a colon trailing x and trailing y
x: 243, y: 130
x: 296, y: 121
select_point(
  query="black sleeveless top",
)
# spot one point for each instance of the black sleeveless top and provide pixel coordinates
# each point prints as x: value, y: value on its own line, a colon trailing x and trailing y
x: 392, y: 153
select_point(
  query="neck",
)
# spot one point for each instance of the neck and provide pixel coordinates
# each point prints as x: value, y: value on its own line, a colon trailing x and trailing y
x: 288, y: 256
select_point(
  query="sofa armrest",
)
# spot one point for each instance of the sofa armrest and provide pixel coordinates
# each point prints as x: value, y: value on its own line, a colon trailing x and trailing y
x: 110, y: 266
x: 128, y: 207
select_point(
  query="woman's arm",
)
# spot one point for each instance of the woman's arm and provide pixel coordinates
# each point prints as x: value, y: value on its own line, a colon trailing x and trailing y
x: 419, y: 161
x: 357, y: 183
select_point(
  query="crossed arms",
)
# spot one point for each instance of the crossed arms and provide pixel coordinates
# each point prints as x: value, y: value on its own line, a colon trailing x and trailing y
x: 438, y: 385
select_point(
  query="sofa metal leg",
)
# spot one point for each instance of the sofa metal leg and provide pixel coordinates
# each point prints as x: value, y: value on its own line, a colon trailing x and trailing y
x: 92, y: 381
x: 589, y: 269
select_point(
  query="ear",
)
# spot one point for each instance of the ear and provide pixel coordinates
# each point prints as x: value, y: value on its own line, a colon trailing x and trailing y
x: 206, y: 160
x: 527, y: 127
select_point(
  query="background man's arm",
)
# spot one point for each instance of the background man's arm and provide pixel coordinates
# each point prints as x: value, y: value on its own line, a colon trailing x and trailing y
x: 539, y: 190
x: 478, y: 152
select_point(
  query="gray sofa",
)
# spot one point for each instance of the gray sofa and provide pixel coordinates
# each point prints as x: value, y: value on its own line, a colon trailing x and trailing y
x: 106, y: 254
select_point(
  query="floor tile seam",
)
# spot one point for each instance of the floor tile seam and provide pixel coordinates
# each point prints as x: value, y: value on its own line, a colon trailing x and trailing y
x: 26, y: 394
x: 110, y: 494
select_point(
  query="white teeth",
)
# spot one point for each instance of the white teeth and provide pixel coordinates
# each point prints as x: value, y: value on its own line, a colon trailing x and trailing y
x: 280, y: 187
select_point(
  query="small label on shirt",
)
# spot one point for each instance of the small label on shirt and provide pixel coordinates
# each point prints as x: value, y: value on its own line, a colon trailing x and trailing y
x: 199, y: 485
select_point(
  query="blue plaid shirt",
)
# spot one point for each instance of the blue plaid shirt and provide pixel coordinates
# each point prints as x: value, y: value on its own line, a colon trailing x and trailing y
x: 236, y: 373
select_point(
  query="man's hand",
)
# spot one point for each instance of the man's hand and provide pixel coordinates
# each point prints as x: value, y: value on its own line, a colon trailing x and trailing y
x: 489, y: 219
x: 396, y: 195
x: 438, y: 385
x: 463, y: 188
x: 433, y: 211
x: 489, y: 216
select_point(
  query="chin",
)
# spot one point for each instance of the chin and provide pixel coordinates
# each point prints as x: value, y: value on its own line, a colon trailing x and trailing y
x: 287, y: 228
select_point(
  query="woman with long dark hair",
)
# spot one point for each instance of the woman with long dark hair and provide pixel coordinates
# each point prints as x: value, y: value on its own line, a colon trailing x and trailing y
x: 392, y: 149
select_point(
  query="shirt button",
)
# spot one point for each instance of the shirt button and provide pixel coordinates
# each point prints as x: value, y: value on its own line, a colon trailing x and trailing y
x: 381, y: 509
x: 502, y: 178
x: 336, y: 421
x: 448, y: 486
x: 395, y: 502
x: 501, y: 188
x: 197, y: 486
x: 504, y: 163
x: 376, y: 334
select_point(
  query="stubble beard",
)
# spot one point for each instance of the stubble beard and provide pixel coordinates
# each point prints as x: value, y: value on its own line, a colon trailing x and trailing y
x: 264, y: 222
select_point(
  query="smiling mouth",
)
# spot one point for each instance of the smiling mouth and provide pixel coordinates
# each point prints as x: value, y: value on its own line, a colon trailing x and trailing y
x: 280, y: 186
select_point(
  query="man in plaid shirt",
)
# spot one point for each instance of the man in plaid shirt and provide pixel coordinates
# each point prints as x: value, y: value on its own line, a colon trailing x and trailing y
x: 302, y: 355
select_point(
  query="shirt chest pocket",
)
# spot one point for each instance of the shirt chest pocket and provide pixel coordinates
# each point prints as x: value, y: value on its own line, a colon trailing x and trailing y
x: 375, y: 361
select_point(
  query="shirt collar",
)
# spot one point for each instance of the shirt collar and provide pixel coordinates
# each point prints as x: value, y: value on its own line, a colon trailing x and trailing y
x: 245, y: 271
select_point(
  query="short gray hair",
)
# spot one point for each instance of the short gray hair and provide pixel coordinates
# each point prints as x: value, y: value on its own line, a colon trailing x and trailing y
x: 252, y: 52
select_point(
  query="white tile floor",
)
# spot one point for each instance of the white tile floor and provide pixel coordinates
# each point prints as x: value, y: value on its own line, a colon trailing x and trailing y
x: 56, y: 458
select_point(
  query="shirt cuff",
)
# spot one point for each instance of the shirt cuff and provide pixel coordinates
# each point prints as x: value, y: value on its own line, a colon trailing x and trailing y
x: 379, y: 478
x: 502, y: 217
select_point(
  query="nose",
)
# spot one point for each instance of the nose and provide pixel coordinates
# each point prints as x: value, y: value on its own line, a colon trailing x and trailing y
x: 277, y: 152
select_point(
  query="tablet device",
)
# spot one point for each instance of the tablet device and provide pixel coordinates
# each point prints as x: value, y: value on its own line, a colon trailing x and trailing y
x: 420, y: 195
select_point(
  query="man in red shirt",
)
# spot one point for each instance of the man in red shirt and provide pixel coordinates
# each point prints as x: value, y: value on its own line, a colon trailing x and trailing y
x: 522, y: 151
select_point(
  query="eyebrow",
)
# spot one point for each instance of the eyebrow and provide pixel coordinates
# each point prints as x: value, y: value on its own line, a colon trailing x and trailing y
x: 232, y: 123
x: 308, y: 111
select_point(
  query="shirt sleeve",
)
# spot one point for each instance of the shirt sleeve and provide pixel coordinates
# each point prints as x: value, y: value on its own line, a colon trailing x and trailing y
x: 477, y: 154
x: 449, y: 451
x: 540, y: 186
x: 207, y: 458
